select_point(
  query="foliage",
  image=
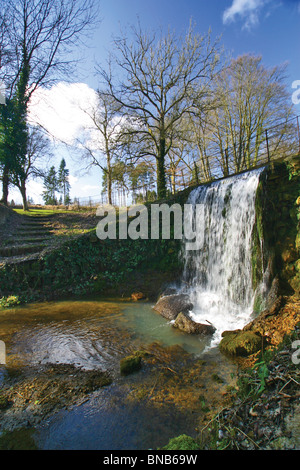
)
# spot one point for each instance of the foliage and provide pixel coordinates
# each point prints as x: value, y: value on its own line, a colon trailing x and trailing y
x: 8, y: 302
x: 182, y: 442
x: 252, y: 384
x: 293, y: 171
x: 86, y: 263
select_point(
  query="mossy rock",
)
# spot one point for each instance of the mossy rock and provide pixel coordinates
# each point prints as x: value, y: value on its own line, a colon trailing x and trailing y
x: 182, y: 442
x: 130, y: 364
x: 240, y: 343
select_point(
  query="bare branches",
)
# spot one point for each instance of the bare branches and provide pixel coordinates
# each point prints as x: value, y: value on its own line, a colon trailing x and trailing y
x: 161, y: 79
x: 101, y: 139
x: 43, y: 33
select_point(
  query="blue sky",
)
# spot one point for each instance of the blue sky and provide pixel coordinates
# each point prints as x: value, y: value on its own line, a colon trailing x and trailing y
x: 270, y: 28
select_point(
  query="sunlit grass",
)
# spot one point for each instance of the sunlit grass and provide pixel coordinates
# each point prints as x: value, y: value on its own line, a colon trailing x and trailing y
x: 39, y: 212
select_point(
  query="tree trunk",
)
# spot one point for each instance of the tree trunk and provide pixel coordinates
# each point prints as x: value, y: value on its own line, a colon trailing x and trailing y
x: 5, y: 184
x: 24, y: 197
x: 160, y: 169
x: 109, y: 187
x: 173, y: 180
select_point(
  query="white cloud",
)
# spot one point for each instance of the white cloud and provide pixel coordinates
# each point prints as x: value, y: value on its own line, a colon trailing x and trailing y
x: 73, y: 180
x: 88, y: 188
x: 248, y: 10
x: 61, y: 109
x: 66, y: 111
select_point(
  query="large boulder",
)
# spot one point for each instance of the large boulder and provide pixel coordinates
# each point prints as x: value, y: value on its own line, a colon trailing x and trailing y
x: 171, y: 305
x: 184, y: 323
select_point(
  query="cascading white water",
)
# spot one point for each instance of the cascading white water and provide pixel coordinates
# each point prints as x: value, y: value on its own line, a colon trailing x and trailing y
x: 218, y: 277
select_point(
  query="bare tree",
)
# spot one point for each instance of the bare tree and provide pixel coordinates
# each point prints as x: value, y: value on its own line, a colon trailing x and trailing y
x: 252, y: 99
x: 161, y: 77
x: 43, y: 34
x: 100, y: 140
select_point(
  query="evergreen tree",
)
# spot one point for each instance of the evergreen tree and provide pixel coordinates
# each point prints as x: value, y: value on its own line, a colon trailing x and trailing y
x: 50, y: 184
x: 63, y: 183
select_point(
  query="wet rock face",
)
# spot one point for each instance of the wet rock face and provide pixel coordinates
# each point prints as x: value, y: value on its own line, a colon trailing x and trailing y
x: 279, y: 207
x: 170, y: 306
x: 184, y: 323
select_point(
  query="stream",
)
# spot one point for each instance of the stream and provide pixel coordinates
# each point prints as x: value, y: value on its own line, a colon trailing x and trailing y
x: 175, y: 390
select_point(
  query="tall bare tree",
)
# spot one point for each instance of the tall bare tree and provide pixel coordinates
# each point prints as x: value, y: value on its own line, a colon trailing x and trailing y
x: 160, y: 78
x: 100, y: 139
x: 252, y: 99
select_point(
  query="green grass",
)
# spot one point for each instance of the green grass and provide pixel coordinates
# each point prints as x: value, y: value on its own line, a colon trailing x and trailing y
x: 36, y: 212
x: 43, y: 212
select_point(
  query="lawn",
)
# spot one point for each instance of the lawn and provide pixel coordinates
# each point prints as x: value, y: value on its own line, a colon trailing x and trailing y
x: 39, y: 212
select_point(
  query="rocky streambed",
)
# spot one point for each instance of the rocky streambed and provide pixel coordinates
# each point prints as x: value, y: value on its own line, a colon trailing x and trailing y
x: 64, y: 385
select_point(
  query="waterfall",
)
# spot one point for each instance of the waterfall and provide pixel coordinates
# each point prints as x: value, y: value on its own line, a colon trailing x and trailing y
x: 218, y: 276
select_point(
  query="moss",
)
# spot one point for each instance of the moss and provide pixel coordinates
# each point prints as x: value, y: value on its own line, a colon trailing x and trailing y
x: 182, y: 442
x: 257, y: 238
x: 259, y: 211
x: 241, y: 343
x: 130, y: 364
x: 259, y: 303
x: 204, y: 407
x: 256, y: 260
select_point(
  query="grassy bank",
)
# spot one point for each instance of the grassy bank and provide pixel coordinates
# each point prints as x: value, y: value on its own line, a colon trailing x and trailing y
x: 76, y: 262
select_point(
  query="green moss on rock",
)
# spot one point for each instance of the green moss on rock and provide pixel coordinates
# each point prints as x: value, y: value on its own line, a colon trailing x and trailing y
x: 182, y: 442
x: 240, y: 343
x: 130, y: 364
